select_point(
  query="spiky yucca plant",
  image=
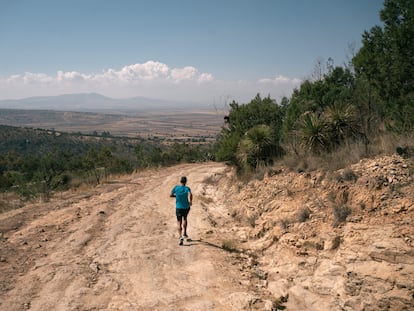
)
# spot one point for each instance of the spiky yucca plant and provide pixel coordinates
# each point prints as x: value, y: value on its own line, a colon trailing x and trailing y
x: 342, y: 122
x: 313, y: 133
x: 256, y: 147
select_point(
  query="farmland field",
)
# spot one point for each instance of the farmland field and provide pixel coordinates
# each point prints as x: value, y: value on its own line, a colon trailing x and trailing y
x: 162, y: 124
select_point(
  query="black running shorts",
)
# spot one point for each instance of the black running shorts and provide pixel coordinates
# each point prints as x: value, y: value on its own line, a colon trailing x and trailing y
x: 181, y: 213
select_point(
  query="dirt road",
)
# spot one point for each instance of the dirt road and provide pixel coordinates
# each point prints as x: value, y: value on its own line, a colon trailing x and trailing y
x: 115, y: 247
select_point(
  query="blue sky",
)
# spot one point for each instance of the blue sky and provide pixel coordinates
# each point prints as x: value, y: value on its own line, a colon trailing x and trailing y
x: 200, y: 51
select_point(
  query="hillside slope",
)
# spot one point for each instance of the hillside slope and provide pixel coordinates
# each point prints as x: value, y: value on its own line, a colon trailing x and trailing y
x: 311, y: 251
x: 269, y: 244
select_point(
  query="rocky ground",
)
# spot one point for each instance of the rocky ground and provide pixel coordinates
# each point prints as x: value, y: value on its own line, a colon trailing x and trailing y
x: 339, y: 241
x: 294, y: 241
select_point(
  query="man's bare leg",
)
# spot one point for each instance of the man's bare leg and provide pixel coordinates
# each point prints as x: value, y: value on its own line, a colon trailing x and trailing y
x: 179, y: 225
x: 185, y: 227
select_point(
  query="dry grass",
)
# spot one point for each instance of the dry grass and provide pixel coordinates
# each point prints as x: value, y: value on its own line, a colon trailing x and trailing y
x: 346, y: 175
x: 285, y: 223
x: 303, y: 214
x: 10, y: 201
x: 341, y: 213
x: 230, y: 246
x: 205, y: 200
x: 346, y: 155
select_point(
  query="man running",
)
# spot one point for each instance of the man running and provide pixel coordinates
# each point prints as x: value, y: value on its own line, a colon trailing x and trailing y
x: 183, y: 202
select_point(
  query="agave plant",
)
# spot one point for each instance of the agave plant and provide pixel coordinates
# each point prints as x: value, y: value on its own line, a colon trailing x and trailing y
x: 256, y: 147
x: 313, y: 133
x: 342, y: 122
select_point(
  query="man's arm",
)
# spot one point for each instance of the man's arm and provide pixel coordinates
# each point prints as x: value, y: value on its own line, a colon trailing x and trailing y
x: 172, y: 194
x: 191, y: 198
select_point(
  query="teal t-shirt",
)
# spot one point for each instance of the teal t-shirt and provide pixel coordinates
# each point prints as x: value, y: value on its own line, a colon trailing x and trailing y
x: 181, y: 196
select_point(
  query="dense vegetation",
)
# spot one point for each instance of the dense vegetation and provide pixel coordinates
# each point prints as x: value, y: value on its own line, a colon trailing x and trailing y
x: 34, y: 162
x: 359, y: 103
x: 370, y: 97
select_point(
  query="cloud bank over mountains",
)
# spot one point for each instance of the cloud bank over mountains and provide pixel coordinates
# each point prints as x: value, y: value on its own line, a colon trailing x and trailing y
x: 149, y: 71
x: 150, y: 79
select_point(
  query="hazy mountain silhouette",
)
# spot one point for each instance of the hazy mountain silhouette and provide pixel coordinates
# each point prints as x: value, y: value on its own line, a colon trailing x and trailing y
x: 92, y: 102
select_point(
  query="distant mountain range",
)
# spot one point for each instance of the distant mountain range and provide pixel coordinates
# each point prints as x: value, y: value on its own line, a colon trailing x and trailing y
x: 91, y: 102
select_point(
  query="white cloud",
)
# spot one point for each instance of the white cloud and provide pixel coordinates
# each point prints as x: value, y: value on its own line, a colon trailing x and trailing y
x: 148, y: 71
x: 28, y: 78
x: 186, y: 73
x: 205, y: 77
x: 70, y: 76
x: 150, y: 79
x: 281, y: 80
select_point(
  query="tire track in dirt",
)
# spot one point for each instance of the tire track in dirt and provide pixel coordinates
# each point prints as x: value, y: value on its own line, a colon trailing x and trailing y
x: 117, y: 250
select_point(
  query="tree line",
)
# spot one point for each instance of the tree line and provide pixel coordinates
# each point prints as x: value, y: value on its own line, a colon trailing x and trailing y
x: 356, y: 103
x: 38, y: 162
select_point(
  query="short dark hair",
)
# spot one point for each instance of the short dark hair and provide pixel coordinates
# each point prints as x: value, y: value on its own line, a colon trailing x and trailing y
x: 183, y: 179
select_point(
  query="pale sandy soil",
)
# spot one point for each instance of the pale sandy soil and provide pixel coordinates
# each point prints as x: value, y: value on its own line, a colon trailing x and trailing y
x: 115, y: 248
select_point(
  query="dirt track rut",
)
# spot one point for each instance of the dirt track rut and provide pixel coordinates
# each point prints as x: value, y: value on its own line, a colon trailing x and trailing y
x: 115, y: 248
